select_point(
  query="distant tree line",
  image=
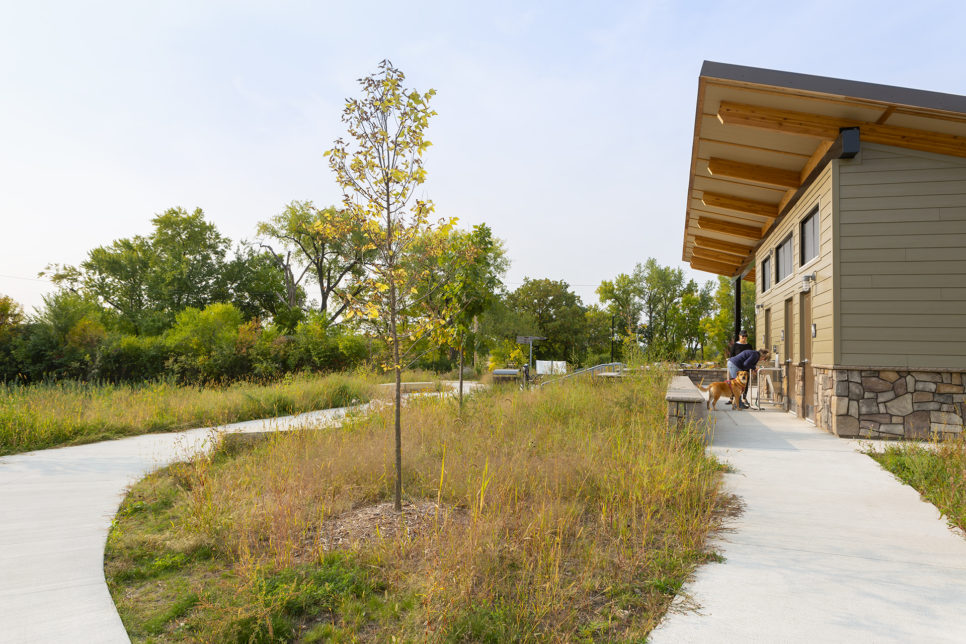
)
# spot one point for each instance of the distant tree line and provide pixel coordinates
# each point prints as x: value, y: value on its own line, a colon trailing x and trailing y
x: 184, y: 302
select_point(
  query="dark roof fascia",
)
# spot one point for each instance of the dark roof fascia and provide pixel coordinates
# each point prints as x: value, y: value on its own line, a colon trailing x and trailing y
x: 836, y: 87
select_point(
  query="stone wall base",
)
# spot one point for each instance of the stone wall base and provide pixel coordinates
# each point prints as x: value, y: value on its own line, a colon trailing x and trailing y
x: 707, y: 376
x: 886, y: 403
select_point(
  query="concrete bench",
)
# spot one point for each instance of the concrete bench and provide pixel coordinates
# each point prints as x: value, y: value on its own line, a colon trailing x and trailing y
x: 684, y: 402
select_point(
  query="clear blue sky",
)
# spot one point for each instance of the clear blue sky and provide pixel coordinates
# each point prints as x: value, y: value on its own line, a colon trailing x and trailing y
x: 565, y: 126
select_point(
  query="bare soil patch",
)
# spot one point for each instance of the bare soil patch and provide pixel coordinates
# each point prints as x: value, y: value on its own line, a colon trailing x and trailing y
x: 369, y: 523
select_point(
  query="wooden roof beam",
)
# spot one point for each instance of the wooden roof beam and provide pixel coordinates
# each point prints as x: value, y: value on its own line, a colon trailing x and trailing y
x: 728, y: 228
x: 714, y: 267
x: 755, y: 173
x: 770, y: 118
x: 716, y: 256
x: 827, y: 127
x: 722, y: 246
x: 738, y: 204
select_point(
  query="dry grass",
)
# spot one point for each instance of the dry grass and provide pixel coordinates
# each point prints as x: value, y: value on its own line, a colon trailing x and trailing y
x: 567, y: 513
x: 938, y: 471
x: 42, y: 416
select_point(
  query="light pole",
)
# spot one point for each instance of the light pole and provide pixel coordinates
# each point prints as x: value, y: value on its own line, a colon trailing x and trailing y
x: 529, y: 340
x: 612, y: 338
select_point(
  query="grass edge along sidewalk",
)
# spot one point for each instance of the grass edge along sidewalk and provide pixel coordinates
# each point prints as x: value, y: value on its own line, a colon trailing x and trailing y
x: 937, y: 471
x: 562, y: 513
x: 54, y: 415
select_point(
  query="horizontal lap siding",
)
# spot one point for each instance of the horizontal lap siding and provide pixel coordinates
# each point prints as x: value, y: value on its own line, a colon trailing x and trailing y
x: 902, y: 259
x: 820, y: 193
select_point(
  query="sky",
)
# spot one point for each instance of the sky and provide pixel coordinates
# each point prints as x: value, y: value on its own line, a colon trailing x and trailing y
x: 565, y: 126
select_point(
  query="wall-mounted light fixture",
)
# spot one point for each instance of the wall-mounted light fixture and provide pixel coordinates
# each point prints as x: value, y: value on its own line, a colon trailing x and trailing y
x: 807, y: 281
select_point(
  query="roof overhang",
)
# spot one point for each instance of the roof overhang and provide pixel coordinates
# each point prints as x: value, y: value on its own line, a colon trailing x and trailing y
x: 760, y: 136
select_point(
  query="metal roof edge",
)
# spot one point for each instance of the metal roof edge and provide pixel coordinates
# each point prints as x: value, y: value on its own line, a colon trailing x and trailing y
x: 836, y: 86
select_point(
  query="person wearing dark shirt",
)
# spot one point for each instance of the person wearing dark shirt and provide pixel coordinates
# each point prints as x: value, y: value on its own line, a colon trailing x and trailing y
x: 740, y: 345
x: 745, y: 361
x: 736, y: 348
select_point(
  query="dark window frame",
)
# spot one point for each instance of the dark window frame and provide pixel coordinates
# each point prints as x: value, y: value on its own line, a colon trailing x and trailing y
x: 766, y: 273
x: 791, y: 258
x: 816, y: 237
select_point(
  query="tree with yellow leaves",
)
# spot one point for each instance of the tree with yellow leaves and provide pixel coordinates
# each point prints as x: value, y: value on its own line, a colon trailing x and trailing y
x: 379, y: 169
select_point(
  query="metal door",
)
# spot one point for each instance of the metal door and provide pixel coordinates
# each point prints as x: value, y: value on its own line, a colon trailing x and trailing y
x: 808, y: 375
x: 787, y: 352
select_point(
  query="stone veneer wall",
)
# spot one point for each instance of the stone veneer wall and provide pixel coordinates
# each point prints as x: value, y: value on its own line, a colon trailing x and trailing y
x: 890, y: 403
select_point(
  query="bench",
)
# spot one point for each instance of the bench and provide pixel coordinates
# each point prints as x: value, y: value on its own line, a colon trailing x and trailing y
x: 685, y: 404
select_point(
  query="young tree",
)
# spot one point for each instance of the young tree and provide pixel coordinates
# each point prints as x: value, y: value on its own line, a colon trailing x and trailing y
x: 379, y: 173
x: 464, y: 281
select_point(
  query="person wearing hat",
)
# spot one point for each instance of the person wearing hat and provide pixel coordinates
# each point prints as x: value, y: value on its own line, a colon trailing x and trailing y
x: 736, y: 348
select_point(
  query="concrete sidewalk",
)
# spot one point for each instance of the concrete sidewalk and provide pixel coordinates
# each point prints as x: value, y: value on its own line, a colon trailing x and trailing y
x: 829, y: 547
x: 56, y: 508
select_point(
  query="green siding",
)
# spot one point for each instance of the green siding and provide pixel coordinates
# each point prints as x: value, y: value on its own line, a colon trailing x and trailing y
x: 901, y: 264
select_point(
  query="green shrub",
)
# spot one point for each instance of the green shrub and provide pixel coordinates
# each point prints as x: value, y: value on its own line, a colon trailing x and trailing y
x: 130, y: 358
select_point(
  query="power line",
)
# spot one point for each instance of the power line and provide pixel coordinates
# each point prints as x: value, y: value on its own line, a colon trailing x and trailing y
x: 29, y: 279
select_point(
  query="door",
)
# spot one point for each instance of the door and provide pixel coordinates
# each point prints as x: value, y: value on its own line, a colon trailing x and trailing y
x: 767, y: 344
x: 808, y: 375
x: 787, y: 351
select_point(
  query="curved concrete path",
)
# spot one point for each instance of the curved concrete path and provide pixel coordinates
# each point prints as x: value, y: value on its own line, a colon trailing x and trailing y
x: 56, y: 508
x: 829, y: 547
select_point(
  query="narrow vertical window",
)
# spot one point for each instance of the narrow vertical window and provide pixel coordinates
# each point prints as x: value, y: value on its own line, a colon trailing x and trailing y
x: 764, y: 273
x: 783, y: 259
x: 809, y: 237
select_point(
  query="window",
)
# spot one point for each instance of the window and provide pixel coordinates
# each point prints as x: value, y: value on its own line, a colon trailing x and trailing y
x: 783, y: 259
x: 809, y: 237
x: 765, y: 272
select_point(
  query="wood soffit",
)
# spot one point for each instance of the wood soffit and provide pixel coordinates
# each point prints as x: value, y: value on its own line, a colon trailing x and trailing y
x: 760, y: 134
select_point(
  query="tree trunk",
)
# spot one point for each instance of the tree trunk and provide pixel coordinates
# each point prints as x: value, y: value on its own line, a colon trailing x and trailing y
x: 397, y: 368
x: 461, y: 376
x: 476, y: 329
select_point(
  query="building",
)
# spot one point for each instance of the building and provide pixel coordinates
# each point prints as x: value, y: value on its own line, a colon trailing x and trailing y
x: 844, y: 204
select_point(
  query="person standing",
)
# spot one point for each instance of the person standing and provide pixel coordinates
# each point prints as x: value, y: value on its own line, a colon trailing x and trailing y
x: 736, y: 348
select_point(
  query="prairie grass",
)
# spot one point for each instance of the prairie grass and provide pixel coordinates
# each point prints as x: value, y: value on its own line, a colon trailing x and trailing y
x: 41, y: 416
x: 566, y: 513
x: 937, y: 471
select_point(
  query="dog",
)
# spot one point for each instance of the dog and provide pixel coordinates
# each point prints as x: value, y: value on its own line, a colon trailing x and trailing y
x: 733, y: 388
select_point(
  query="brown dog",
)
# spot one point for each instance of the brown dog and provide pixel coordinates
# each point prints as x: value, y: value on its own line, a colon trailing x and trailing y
x: 732, y: 388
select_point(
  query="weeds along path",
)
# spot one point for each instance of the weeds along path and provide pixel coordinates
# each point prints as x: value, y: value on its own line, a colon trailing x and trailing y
x: 56, y: 508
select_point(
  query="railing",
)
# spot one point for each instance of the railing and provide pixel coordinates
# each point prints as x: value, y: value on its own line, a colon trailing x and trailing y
x: 610, y: 369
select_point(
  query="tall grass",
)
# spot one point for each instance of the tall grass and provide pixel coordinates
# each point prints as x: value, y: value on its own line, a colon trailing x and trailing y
x: 565, y: 513
x: 48, y: 415
x: 937, y: 471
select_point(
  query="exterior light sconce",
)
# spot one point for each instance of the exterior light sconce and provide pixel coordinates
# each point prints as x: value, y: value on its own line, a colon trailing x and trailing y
x: 807, y: 281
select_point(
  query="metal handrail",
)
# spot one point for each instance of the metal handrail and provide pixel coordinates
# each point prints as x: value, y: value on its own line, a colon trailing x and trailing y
x: 596, y: 370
